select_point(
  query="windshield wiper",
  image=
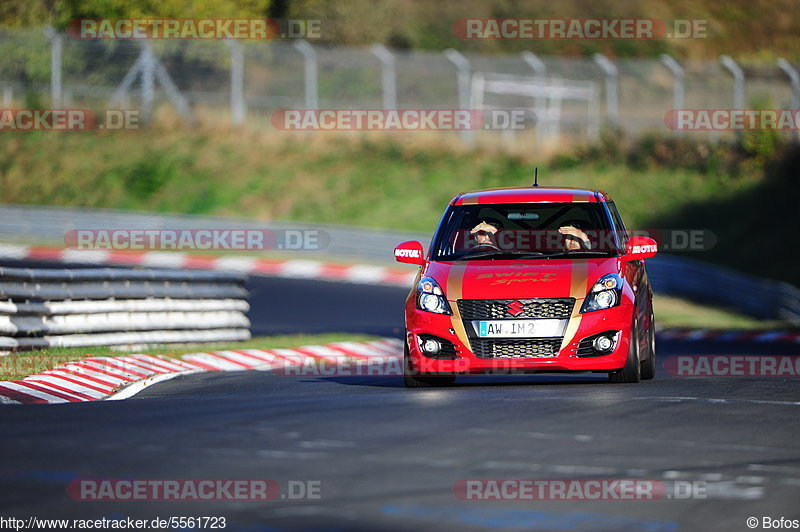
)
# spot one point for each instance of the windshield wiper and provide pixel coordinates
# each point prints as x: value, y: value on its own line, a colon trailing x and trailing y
x: 576, y: 252
x: 495, y: 252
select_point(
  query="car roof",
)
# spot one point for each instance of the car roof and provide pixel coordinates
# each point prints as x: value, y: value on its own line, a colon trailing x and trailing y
x: 531, y: 195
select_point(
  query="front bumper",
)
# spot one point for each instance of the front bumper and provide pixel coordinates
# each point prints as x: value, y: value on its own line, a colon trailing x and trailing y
x: 565, y: 357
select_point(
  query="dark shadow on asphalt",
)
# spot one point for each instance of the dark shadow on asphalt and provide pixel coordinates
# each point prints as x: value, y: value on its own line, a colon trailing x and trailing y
x: 469, y: 381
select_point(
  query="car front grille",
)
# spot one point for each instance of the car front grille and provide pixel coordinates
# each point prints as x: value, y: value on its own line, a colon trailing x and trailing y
x: 498, y: 309
x: 515, y: 348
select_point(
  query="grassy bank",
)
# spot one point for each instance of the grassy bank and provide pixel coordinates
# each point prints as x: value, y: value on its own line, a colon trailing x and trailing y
x: 371, y: 181
x: 673, y: 312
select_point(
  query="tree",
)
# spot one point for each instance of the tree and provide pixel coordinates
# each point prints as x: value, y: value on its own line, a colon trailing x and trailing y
x: 58, y: 13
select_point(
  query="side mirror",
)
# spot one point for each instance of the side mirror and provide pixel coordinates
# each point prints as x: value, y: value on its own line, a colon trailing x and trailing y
x: 410, y: 252
x: 640, y: 248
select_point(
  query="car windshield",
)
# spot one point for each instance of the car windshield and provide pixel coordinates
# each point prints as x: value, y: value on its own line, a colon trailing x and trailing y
x: 524, y: 230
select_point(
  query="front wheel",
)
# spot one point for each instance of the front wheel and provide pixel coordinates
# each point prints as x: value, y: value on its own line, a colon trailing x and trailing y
x: 418, y: 381
x: 649, y: 363
x: 632, y: 372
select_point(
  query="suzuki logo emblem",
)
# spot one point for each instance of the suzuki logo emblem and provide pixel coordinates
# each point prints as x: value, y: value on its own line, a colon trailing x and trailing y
x: 515, y: 309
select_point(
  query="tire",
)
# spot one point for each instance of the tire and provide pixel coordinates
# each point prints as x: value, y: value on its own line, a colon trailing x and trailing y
x: 649, y: 363
x: 417, y: 381
x: 632, y: 372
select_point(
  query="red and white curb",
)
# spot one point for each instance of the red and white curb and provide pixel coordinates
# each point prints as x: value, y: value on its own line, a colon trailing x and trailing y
x: 719, y: 335
x: 291, y: 269
x: 97, y: 378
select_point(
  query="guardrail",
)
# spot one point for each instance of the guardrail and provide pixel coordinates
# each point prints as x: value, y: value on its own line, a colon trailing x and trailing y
x: 699, y: 281
x: 115, y: 306
x: 29, y: 223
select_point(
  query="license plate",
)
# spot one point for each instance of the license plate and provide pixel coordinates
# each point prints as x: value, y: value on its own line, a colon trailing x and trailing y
x: 519, y: 328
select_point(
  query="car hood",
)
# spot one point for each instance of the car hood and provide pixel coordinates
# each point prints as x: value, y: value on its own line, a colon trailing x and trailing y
x: 519, y: 279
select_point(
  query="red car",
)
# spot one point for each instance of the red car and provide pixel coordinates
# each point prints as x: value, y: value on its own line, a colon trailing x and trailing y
x: 529, y: 280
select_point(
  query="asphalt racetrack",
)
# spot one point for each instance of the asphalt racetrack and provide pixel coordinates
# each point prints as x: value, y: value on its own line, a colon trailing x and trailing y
x: 384, y: 457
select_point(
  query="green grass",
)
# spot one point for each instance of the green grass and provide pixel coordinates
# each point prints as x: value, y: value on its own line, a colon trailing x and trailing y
x: 17, y: 366
x: 377, y: 181
x: 674, y: 312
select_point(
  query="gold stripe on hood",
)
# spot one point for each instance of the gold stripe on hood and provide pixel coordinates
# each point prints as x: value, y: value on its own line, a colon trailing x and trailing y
x: 577, y: 289
x: 453, y: 293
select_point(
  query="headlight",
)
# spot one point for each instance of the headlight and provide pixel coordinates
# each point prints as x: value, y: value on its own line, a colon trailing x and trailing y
x: 606, y: 293
x: 430, y: 297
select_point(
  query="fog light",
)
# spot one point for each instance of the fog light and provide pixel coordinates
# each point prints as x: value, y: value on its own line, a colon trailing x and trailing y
x: 431, y: 346
x: 603, y: 343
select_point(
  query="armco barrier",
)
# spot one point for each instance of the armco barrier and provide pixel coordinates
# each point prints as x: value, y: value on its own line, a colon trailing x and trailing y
x: 32, y: 223
x: 115, y: 306
x: 700, y: 281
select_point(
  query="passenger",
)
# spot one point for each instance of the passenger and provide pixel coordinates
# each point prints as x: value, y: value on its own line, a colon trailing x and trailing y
x: 574, y: 238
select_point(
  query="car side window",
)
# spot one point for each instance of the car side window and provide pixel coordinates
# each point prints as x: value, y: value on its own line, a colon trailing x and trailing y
x: 618, y: 223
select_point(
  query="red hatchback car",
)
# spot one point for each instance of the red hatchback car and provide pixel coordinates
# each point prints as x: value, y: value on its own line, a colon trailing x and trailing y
x: 529, y: 280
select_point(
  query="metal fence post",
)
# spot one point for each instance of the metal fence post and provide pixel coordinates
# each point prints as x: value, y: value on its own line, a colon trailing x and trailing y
x: 794, y: 78
x: 174, y: 95
x: 677, y: 84
x: 738, y: 80
x: 388, y: 75
x: 120, y: 96
x: 464, y: 80
x: 539, y: 70
x: 149, y: 68
x: 311, y: 80
x: 738, y: 84
x: 56, y: 51
x: 464, y: 73
x: 533, y: 61
x: 148, y: 81
x: 612, y: 84
x: 238, y: 106
x: 593, y: 127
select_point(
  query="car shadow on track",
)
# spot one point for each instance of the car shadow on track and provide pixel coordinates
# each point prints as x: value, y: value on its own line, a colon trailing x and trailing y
x: 471, y: 381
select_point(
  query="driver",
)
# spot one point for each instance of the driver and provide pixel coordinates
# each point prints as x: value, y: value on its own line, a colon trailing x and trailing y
x: 484, y: 235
